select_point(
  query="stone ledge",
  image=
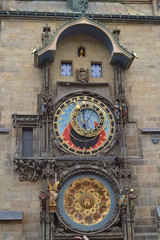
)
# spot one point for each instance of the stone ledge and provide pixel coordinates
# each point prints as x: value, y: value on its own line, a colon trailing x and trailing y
x: 150, y: 130
x: 4, y: 130
x: 7, y: 215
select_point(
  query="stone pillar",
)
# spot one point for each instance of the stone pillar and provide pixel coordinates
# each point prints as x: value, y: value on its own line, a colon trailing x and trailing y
x: 125, y: 231
x: 43, y: 225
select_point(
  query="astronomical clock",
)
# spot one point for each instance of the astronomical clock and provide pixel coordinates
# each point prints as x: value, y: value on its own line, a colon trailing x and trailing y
x: 85, y: 130
x: 84, y: 126
x: 81, y: 152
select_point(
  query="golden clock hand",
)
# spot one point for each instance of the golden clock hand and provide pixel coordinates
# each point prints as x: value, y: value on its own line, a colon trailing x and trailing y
x: 82, y: 119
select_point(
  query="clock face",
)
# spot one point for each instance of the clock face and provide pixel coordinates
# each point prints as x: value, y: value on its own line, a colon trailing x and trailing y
x: 86, y: 202
x: 84, y: 125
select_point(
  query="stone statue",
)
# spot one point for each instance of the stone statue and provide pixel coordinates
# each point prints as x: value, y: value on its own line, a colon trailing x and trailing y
x: 117, y: 109
x: 122, y: 201
x: 132, y: 198
x: 42, y: 197
x: 124, y: 109
x: 53, y: 195
x: 82, y: 75
x: 43, y: 107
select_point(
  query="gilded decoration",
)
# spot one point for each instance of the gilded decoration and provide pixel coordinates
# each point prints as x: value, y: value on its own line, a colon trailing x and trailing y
x: 87, y: 201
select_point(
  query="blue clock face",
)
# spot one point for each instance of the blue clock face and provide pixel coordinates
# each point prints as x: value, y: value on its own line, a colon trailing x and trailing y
x: 84, y: 125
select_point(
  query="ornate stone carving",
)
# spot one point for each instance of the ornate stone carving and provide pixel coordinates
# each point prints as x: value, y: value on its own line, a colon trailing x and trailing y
x: 48, y: 171
x: 125, y: 173
x: 82, y: 75
x: 28, y: 170
x: 22, y: 120
x: 84, y: 5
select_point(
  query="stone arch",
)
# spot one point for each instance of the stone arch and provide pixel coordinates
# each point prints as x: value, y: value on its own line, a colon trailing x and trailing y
x: 89, y: 27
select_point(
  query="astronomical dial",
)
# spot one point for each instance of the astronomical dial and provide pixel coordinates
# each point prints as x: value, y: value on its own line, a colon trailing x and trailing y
x: 84, y: 125
x: 88, y: 119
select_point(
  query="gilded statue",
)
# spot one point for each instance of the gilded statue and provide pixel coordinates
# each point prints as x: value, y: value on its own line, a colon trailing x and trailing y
x: 53, y: 195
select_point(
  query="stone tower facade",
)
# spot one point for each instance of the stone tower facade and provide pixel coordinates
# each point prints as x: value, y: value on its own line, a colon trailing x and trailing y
x: 79, y: 120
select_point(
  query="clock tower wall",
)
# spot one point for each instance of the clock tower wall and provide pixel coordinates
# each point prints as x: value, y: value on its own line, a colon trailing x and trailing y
x: 95, y: 53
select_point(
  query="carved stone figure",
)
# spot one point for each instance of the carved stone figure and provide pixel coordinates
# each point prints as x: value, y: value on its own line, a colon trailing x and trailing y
x: 44, y: 107
x: 132, y: 198
x: 82, y: 75
x: 117, y: 109
x: 122, y: 201
x: 42, y: 197
x: 124, y: 109
x: 53, y: 195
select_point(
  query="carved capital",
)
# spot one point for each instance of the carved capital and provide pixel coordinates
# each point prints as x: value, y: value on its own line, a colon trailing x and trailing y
x: 23, y: 120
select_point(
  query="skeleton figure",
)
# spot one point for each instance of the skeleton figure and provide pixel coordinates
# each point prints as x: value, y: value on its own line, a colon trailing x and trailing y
x: 132, y: 198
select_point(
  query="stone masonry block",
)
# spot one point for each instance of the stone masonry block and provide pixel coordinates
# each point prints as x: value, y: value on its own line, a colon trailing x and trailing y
x: 148, y: 201
x: 142, y: 212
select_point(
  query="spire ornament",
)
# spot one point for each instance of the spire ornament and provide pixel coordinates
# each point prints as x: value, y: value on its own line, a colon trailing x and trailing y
x: 83, y: 5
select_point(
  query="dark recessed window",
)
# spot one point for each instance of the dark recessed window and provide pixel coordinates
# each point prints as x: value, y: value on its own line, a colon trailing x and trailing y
x: 66, y: 69
x: 27, y: 142
x: 96, y: 70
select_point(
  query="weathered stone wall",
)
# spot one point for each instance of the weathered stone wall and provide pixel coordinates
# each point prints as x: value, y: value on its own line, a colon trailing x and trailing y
x: 20, y: 83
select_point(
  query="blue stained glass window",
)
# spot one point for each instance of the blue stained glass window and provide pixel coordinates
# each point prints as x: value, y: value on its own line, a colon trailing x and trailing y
x: 66, y: 69
x: 96, y: 70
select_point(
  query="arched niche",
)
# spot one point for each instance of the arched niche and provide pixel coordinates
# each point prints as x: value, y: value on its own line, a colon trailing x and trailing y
x: 88, y: 27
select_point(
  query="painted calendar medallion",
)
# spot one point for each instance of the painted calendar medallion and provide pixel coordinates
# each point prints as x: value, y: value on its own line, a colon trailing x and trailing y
x: 87, y: 202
